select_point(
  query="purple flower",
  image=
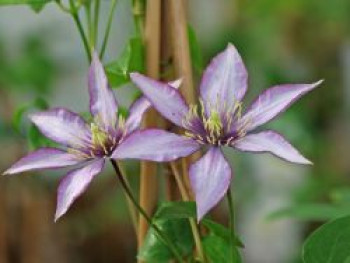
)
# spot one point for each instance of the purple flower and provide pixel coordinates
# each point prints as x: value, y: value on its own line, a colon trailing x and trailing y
x: 86, y: 145
x: 217, y: 121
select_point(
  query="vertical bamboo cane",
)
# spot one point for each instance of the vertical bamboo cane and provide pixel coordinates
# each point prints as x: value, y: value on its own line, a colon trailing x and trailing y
x: 183, y: 66
x: 148, y: 177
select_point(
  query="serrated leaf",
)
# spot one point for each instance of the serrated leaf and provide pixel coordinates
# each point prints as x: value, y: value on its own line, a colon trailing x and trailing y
x: 330, y: 243
x: 176, y: 210
x: 131, y: 59
x: 178, y: 231
x: 195, y: 51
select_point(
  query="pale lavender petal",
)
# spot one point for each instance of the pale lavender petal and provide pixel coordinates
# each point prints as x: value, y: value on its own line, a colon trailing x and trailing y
x: 273, y: 142
x: 137, y: 109
x: 210, y: 178
x: 74, y: 184
x: 272, y: 102
x: 224, y: 81
x: 63, y: 126
x: 140, y: 106
x: 164, y: 98
x: 103, y: 105
x: 176, y: 83
x: 155, y: 145
x: 44, y: 158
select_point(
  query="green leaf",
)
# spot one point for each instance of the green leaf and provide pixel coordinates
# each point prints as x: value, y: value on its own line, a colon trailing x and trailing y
x: 17, y: 121
x: 178, y: 231
x: 36, y: 5
x: 37, y: 140
x: 131, y: 59
x: 221, y: 231
x: 341, y: 195
x: 176, y: 210
x: 172, y: 219
x: 330, y: 243
x: 315, y: 212
x: 195, y: 51
x: 218, y: 250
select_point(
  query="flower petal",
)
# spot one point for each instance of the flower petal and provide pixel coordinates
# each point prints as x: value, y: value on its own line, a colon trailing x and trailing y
x: 74, y: 184
x: 44, y: 158
x: 210, y: 178
x: 224, y: 81
x: 273, y: 101
x: 137, y: 109
x: 164, y: 98
x: 175, y: 83
x: 155, y: 145
x: 140, y: 106
x: 103, y: 105
x: 273, y: 142
x: 63, y: 126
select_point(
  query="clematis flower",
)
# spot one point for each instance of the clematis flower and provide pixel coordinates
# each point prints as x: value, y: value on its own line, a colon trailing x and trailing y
x: 216, y: 121
x: 85, y: 145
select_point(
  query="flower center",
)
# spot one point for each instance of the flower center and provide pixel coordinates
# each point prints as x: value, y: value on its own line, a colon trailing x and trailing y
x: 213, y: 124
x: 220, y: 127
x: 99, y: 138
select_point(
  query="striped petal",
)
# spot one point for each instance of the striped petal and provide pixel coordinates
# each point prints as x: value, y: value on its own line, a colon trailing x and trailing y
x: 210, y: 178
x: 224, y: 81
x: 44, y: 158
x: 74, y: 184
x: 103, y: 105
x: 137, y: 109
x: 272, y: 102
x: 63, y: 126
x: 155, y: 145
x: 273, y: 142
x: 140, y: 106
x: 164, y: 98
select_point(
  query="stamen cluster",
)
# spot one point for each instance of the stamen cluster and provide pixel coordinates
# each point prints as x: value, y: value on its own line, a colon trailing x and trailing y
x: 215, y: 124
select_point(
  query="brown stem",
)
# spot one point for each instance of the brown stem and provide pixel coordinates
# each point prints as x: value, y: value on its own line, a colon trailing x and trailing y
x: 182, y: 63
x: 148, y: 177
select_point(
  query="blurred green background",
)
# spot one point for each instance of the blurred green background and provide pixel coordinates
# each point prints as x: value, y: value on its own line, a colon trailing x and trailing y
x: 42, y: 64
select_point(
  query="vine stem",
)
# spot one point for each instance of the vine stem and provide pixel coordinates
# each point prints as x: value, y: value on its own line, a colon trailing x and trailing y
x: 232, y: 222
x: 131, y: 207
x: 185, y: 197
x: 129, y: 193
x: 77, y: 21
x: 108, y: 28
x: 96, y: 20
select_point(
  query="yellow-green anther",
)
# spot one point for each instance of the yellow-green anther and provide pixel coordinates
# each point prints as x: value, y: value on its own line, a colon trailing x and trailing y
x: 98, y: 137
x: 214, y: 123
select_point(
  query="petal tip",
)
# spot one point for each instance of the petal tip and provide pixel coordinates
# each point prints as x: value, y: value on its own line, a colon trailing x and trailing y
x: 58, y: 216
x: 317, y: 83
x: 135, y: 75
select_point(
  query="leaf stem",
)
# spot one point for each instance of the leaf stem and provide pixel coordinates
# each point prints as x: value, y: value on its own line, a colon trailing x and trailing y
x: 160, y: 234
x: 108, y: 28
x: 132, y: 209
x: 185, y: 197
x: 96, y: 20
x: 89, y: 24
x: 232, y: 222
x: 74, y: 12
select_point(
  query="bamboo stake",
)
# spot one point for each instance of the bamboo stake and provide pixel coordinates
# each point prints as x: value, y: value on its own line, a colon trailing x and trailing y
x: 148, y: 177
x: 183, y: 66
